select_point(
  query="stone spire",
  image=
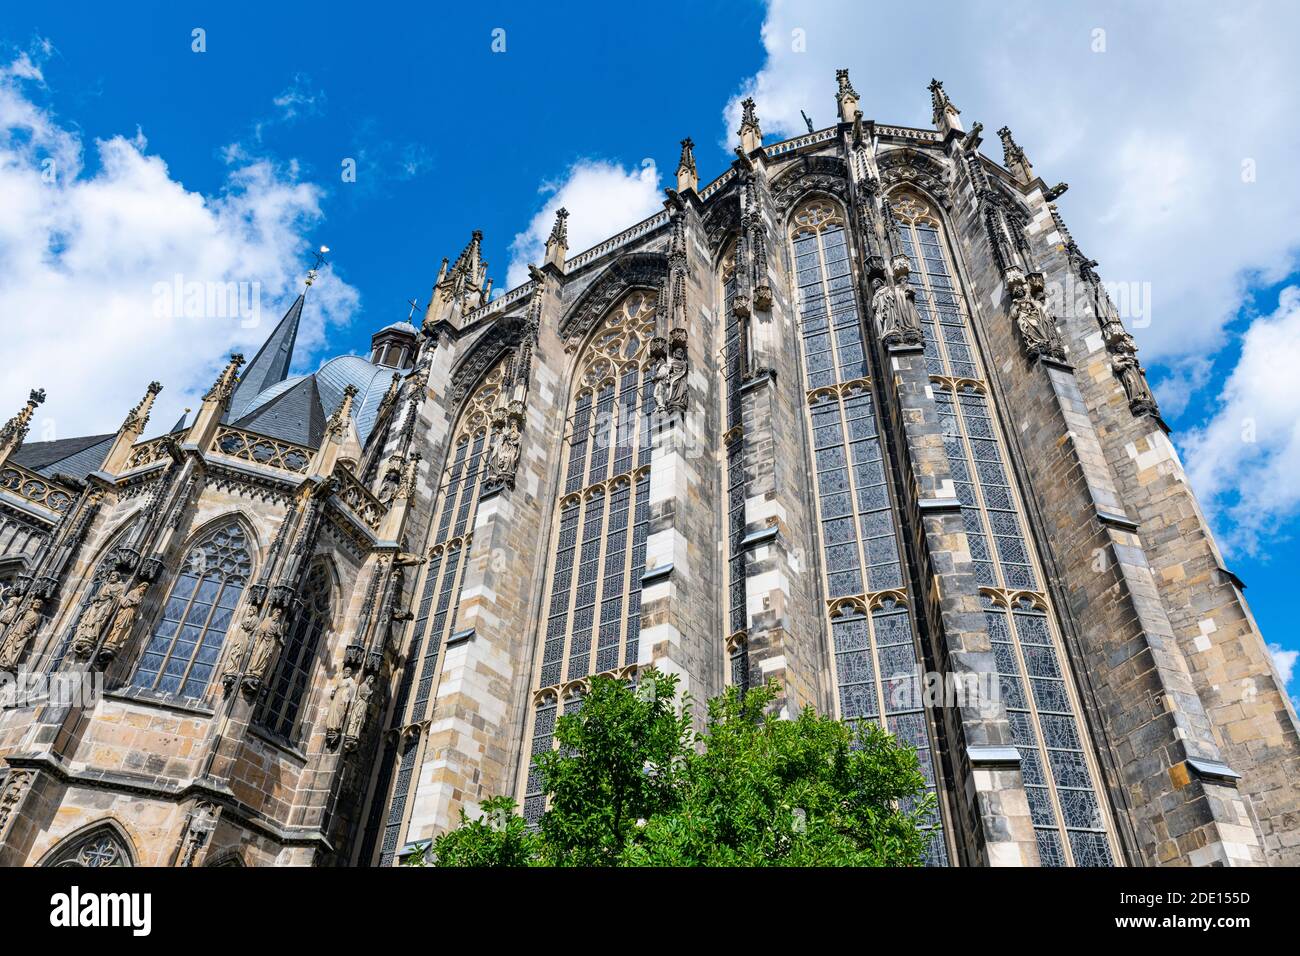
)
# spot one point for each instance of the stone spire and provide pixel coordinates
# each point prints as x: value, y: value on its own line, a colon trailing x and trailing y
x: 557, y: 243
x: 687, y: 176
x: 751, y: 134
x: 947, y: 117
x: 340, y: 441
x: 14, y: 432
x: 846, y: 97
x: 1014, y: 159
x: 458, y: 290
x: 271, y: 363
x: 215, y: 404
x: 132, y: 428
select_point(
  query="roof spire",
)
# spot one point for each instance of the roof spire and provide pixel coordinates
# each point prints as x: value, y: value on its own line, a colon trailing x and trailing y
x: 946, y: 115
x: 557, y: 244
x: 846, y: 97
x: 272, y: 362
x: 14, y: 432
x: 751, y: 134
x: 688, y: 176
x: 459, y: 290
x: 119, y: 452
x: 1014, y: 159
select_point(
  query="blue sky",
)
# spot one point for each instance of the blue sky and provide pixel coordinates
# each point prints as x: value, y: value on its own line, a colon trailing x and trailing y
x: 1174, y: 126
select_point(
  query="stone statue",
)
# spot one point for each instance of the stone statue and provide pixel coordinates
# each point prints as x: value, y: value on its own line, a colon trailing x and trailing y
x: 10, y: 612
x: 1130, y: 375
x: 392, y: 480
x: 504, y: 458
x: 19, y: 635
x: 358, y: 712
x: 120, y: 629
x: 96, y: 615
x: 341, y: 698
x: 235, y: 655
x: 670, y: 382
x: 267, y: 641
x: 1038, y: 334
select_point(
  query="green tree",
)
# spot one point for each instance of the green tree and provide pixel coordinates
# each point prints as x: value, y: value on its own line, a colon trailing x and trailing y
x: 631, y: 785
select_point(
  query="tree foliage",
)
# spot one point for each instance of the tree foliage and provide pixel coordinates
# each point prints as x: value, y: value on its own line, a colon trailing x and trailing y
x: 631, y: 784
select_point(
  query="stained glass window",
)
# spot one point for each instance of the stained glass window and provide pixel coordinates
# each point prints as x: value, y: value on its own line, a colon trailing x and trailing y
x: 182, y: 651
x: 877, y: 657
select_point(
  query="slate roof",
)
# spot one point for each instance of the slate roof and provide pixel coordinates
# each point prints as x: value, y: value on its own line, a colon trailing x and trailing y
x: 74, y: 457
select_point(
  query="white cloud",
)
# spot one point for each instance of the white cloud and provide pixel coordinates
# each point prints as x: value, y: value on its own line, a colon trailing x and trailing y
x: 1151, y: 134
x: 83, y: 255
x: 1245, y: 462
x: 602, y: 198
x: 1284, y: 661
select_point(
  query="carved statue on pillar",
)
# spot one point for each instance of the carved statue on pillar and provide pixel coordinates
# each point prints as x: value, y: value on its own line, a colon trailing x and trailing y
x: 120, y: 630
x: 358, y: 713
x: 341, y: 698
x: 96, y: 615
x: 392, y: 479
x: 10, y: 612
x: 235, y: 655
x: 1130, y: 374
x: 503, y: 459
x: 1038, y: 333
x: 19, y: 634
x: 267, y: 641
x: 670, y: 381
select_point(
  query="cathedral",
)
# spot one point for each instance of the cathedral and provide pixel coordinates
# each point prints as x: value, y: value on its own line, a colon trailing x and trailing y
x: 858, y: 416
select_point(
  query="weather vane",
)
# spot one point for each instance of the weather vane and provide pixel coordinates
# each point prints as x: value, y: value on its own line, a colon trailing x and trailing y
x: 320, y: 261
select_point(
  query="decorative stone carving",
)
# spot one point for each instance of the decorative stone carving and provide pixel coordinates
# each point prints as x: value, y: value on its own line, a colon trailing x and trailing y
x: 1132, y: 376
x: 1038, y: 333
x: 503, y: 458
x: 670, y: 382
x: 392, y: 479
x: 341, y: 697
x: 235, y: 653
x: 96, y: 615
x: 16, y: 785
x: 19, y: 634
x: 120, y: 630
x: 358, y: 714
x: 267, y: 641
x: 895, y: 310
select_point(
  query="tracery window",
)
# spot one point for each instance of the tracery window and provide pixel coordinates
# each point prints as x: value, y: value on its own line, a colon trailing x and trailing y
x: 451, y: 534
x: 876, y: 652
x: 1057, y: 765
x: 279, y: 708
x: 593, y: 613
x: 182, y: 652
x: 100, y: 847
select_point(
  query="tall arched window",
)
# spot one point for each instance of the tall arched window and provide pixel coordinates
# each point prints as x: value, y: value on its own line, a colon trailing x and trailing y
x: 876, y: 651
x: 183, y: 649
x: 280, y: 707
x: 450, y: 532
x: 593, y: 622
x: 1056, y: 758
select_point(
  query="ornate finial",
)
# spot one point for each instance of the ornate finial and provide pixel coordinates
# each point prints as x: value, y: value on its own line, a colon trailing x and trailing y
x: 1013, y: 157
x: 224, y: 386
x: 314, y: 271
x: 751, y: 134
x: 945, y: 112
x: 560, y: 231
x: 14, y: 432
x: 845, y: 86
x: 687, y: 175
x: 337, y: 425
x: 138, y: 416
x: 414, y: 305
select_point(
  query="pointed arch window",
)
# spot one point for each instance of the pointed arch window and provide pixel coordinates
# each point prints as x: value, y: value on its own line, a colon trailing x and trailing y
x: 182, y: 652
x: 450, y: 534
x: 102, y: 846
x: 593, y: 616
x: 1057, y: 761
x: 875, y: 648
x: 280, y: 707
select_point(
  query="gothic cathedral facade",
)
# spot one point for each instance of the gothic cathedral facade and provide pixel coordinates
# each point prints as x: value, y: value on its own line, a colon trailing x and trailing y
x: 828, y: 420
